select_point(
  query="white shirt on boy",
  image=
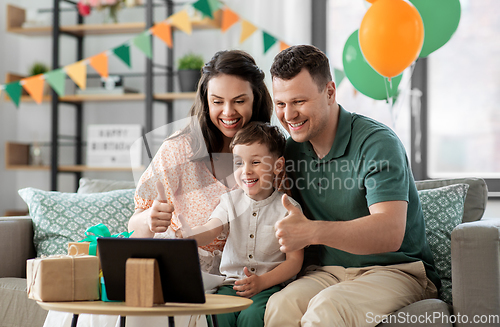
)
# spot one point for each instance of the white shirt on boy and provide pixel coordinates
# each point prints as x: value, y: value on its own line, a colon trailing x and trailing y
x: 251, y: 242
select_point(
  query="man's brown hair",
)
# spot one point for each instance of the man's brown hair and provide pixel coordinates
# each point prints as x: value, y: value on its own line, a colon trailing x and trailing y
x: 289, y: 63
x: 262, y: 133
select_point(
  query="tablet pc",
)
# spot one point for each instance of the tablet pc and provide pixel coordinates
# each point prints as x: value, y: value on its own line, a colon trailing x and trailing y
x: 178, y: 261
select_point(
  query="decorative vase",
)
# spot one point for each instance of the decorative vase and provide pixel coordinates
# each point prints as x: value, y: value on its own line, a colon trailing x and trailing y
x: 36, y: 155
x: 188, y: 79
x: 111, y: 14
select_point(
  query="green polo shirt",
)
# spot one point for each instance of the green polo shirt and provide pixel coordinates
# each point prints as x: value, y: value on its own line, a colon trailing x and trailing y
x: 367, y: 164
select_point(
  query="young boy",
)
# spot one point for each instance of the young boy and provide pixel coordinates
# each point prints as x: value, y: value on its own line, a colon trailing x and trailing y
x: 251, y: 260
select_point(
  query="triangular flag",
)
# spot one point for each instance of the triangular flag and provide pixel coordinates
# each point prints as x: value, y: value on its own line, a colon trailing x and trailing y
x: 163, y: 31
x: 204, y: 7
x: 229, y: 18
x: 34, y: 86
x: 78, y: 73
x: 338, y: 75
x: 283, y: 46
x: 181, y: 21
x: 247, y: 29
x: 57, y: 80
x: 143, y: 43
x: 269, y: 40
x: 214, y: 5
x: 100, y: 64
x: 123, y: 52
x: 14, y: 90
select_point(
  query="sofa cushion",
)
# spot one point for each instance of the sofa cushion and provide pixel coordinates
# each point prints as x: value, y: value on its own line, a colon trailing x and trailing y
x: 87, y: 185
x: 475, y: 201
x: 443, y: 209
x: 59, y: 218
x: 16, y: 310
x: 430, y: 312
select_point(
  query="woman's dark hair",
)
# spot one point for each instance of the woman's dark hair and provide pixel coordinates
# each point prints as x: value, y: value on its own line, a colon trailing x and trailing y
x: 289, y: 63
x: 236, y: 63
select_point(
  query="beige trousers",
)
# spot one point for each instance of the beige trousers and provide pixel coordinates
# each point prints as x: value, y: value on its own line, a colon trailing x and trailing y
x: 355, y: 297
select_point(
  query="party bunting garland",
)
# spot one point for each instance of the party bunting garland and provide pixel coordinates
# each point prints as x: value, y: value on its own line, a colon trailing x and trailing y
x: 100, y: 64
x: 162, y: 30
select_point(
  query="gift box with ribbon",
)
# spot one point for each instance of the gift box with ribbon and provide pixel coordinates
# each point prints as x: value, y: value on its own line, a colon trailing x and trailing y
x: 91, y: 235
x: 63, y: 278
x: 99, y: 230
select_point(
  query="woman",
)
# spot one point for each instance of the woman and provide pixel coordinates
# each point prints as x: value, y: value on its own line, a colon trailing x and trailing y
x: 230, y: 94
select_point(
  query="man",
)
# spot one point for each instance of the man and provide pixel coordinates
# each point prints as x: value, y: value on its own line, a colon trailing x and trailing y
x: 362, y: 222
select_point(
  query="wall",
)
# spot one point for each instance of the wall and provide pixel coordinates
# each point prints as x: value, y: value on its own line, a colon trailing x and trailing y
x: 287, y: 19
x: 492, y: 208
x: 7, y: 116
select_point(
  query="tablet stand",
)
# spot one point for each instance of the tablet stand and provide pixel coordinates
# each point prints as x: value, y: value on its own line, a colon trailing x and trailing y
x: 143, y: 283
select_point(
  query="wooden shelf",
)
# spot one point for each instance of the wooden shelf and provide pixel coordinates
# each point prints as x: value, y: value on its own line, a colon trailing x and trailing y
x: 102, y: 97
x: 17, y: 157
x: 16, y: 17
x: 175, y: 96
x: 128, y: 97
x: 114, y: 97
x: 83, y: 168
x: 71, y: 168
x: 11, y: 77
x: 16, y: 154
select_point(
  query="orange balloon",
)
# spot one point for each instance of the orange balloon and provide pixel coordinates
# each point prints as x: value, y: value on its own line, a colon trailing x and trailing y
x: 371, y: 1
x: 391, y: 36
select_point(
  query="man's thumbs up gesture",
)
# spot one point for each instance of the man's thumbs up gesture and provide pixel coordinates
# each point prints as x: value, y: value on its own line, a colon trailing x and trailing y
x: 293, y: 231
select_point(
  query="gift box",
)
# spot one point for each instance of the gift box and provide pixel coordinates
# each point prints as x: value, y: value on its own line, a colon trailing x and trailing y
x: 99, y: 230
x: 63, y: 278
x: 75, y: 248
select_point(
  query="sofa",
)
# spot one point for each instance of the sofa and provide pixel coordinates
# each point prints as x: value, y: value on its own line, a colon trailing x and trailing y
x: 474, y: 244
x: 17, y: 245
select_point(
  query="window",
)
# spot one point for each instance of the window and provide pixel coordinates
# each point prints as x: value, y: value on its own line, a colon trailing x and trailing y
x: 463, y: 97
x: 343, y: 18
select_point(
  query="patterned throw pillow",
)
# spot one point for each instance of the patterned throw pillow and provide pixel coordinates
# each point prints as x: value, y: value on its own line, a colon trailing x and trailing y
x: 443, y: 210
x: 59, y: 218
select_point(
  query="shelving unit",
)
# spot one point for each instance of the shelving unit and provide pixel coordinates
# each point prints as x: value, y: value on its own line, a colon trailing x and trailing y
x: 115, y: 97
x: 17, y: 16
x: 17, y: 155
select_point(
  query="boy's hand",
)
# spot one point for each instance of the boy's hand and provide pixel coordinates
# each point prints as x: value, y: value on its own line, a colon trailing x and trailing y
x: 248, y: 287
x: 179, y: 234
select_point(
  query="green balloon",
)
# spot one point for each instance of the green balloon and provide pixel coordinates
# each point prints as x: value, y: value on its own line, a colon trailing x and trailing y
x: 362, y: 76
x: 441, y: 18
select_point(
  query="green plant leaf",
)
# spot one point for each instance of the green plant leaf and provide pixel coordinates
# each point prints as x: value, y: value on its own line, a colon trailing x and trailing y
x: 190, y: 61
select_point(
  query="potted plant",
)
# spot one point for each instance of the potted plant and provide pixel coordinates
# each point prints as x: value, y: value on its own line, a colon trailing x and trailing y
x: 189, y: 71
x: 38, y: 68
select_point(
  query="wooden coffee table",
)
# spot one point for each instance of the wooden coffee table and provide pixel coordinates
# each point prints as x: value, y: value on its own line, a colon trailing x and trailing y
x: 215, y: 304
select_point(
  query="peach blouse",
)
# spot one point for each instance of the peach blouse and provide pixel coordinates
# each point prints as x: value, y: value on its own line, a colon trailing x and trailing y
x: 189, y: 185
